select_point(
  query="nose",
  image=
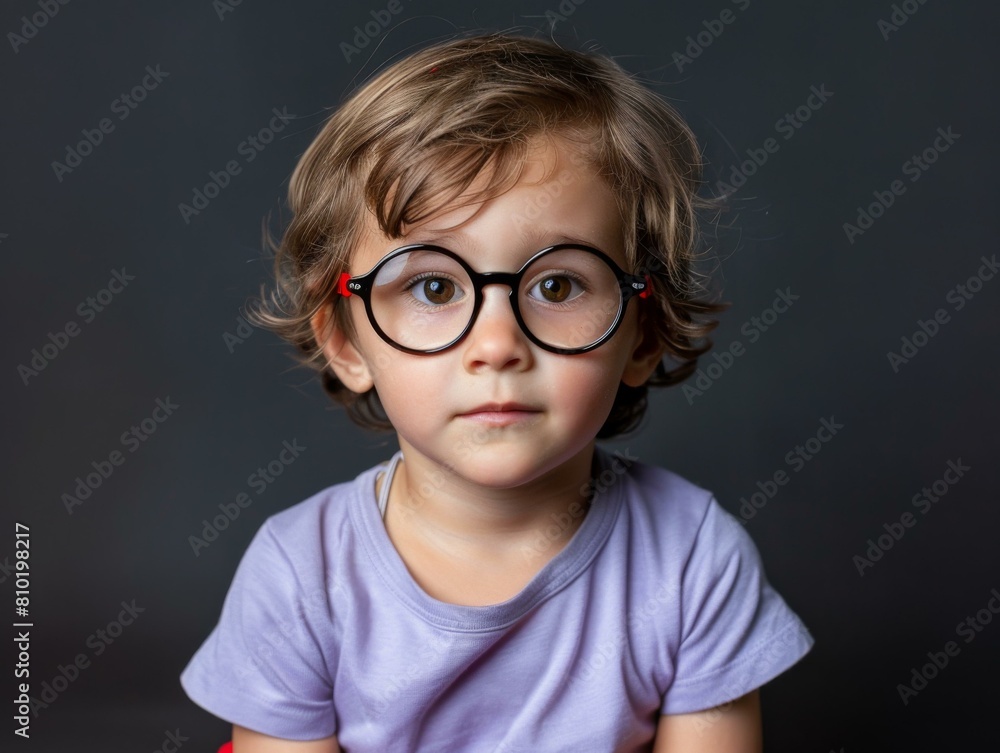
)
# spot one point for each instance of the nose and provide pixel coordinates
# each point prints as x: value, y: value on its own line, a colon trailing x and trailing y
x: 496, y: 340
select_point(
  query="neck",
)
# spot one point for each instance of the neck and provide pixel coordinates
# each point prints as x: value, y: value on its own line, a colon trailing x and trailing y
x: 455, y: 515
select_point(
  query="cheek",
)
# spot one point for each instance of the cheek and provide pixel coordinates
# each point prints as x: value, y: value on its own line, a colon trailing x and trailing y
x: 586, y: 389
x: 386, y: 365
x: 591, y: 380
x: 391, y: 377
x: 406, y: 384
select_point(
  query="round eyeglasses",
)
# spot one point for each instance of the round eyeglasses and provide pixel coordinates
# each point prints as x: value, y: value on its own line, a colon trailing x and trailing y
x: 567, y: 298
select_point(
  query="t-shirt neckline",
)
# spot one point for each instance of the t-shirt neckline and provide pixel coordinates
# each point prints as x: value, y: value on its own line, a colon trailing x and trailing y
x: 558, y: 572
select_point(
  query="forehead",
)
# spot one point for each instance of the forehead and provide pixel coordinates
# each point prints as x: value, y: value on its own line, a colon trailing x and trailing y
x: 558, y: 197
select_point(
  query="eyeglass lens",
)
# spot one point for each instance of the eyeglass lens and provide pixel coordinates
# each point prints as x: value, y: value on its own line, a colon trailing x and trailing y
x: 568, y: 298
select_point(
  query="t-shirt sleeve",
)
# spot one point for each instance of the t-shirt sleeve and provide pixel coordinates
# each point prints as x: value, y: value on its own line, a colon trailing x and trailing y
x: 263, y: 666
x: 737, y: 632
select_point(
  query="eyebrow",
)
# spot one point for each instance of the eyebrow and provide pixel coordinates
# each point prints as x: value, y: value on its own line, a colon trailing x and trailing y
x: 459, y: 238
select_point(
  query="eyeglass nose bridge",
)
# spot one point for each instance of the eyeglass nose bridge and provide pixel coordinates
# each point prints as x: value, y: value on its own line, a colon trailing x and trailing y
x: 479, y: 282
x: 511, y: 279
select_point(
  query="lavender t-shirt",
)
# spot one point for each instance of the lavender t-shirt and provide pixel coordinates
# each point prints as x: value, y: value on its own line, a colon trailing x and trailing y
x: 657, y: 605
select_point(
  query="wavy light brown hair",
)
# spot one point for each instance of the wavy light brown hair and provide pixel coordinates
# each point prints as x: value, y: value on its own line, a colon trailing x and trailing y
x: 415, y: 137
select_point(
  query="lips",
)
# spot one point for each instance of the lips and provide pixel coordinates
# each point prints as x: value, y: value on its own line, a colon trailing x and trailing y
x: 501, y: 408
x: 500, y: 414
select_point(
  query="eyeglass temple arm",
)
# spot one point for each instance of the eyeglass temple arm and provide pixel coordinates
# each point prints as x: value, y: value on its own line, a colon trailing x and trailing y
x: 640, y: 285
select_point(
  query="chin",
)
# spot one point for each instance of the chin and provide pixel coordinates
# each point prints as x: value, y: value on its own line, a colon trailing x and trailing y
x: 505, y: 467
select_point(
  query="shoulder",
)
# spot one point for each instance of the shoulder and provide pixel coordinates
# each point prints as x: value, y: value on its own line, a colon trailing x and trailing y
x: 322, y: 516
x: 303, y: 520
x: 298, y: 561
x: 305, y: 539
x: 659, y: 500
x: 721, y: 630
x: 678, y: 530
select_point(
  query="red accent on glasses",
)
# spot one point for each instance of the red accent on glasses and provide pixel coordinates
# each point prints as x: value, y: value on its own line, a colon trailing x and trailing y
x: 648, y: 290
x: 342, y: 284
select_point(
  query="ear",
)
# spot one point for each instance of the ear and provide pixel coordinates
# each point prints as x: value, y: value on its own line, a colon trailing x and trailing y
x: 647, y: 352
x: 343, y: 356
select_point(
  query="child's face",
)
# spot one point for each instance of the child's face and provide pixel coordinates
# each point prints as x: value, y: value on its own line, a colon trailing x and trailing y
x: 440, y: 404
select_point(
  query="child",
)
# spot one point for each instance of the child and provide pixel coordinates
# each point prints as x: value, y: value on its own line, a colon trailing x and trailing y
x: 491, y: 253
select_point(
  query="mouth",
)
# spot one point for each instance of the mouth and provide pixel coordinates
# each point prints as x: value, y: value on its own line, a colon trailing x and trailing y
x: 501, y: 414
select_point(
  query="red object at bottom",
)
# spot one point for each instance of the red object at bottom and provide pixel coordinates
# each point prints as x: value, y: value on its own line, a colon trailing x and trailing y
x: 227, y: 748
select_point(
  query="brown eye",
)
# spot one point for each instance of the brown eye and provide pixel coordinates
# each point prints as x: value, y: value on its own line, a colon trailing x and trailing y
x: 555, y: 289
x: 436, y: 291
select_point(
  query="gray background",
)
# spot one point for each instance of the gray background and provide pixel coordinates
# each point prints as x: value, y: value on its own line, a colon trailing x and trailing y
x: 162, y: 336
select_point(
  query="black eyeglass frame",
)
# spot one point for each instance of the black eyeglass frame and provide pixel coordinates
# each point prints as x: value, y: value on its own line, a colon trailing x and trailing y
x: 630, y: 286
